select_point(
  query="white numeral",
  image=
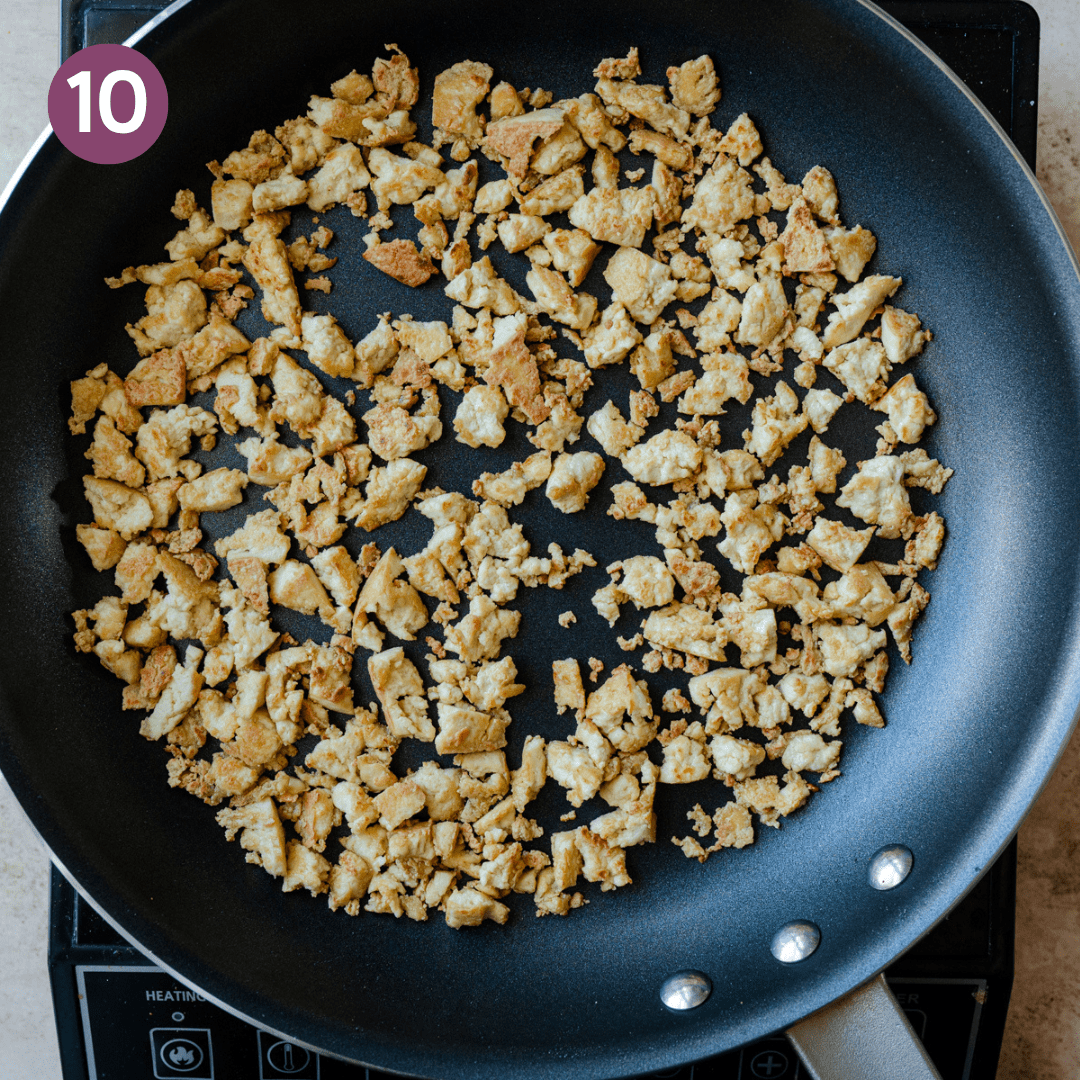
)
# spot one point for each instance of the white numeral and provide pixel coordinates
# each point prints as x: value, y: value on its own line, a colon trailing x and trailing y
x: 105, y: 101
x: 81, y: 81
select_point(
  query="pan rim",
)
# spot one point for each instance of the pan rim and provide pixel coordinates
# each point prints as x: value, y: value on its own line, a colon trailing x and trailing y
x: 1026, y: 171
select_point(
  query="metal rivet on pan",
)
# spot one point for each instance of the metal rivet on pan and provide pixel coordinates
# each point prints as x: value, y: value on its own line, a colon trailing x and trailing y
x: 685, y: 990
x: 890, y: 866
x: 795, y: 942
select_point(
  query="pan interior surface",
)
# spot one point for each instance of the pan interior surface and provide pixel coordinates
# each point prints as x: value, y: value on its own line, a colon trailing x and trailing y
x: 974, y: 725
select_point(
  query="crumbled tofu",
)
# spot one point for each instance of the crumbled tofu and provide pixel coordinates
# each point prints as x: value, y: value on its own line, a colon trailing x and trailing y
x: 738, y: 758
x: 726, y: 379
x: 400, y: 691
x: 764, y: 311
x: 213, y: 491
x: 572, y: 252
x: 804, y: 692
x: 395, y: 603
x: 520, y: 231
x: 855, y: 306
x: 851, y: 250
x: 844, y: 648
x: 908, y: 408
x: 663, y: 459
x: 572, y: 477
x: 509, y: 488
x: 263, y: 836
x: 610, y: 429
x: 751, y: 530
x: 876, y: 495
x: 478, y: 421
x: 618, y: 216
x: 422, y: 836
x: 267, y: 260
x: 555, y: 297
x: 467, y: 907
x: 901, y: 335
x: 612, y: 337
x: 694, y: 86
x: 294, y: 585
x: 643, y: 286
x: 861, y: 365
x: 724, y: 196
x: 457, y: 93
x: 118, y: 508
x: 479, y: 286
x: 685, y: 761
x: 512, y: 137
x: 839, y: 547
x: 401, y: 261
x: 777, y: 420
x: 820, y: 407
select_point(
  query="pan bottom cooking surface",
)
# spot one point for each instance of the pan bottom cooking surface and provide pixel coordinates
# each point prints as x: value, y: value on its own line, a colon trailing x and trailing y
x: 117, y: 1013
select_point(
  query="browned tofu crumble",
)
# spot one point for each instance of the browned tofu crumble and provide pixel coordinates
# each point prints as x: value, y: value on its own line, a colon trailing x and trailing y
x: 454, y: 835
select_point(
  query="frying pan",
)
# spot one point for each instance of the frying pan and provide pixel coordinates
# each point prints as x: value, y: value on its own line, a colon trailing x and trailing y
x: 974, y: 726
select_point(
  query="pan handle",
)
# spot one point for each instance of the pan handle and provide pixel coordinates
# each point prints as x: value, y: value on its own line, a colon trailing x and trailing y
x: 863, y: 1036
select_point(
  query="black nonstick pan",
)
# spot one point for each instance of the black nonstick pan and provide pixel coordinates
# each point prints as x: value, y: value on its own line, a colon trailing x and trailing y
x: 974, y: 726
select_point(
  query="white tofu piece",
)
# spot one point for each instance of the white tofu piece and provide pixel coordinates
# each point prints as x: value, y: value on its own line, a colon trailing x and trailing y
x: 776, y: 421
x: 400, y: 691
x: 694, y: 86
x: 855, y: 306
x: 213, y: 491
x: 804, y: 692
x: 908, y: 408
x: 342, y: 174
x: 612, y: 337
x: 554, y: 296
x: 726, y: 259
x: 724, y: 196
x: 764, y: 311
x: 876, y: 495
x: 685, y: 761
x: 610, y: 429
x: 807, y: 751
x: 719, y: 318
x: 839, y: 547
x: 641, y: 284
x: 820, y: 406
x: 901, y: 335
x: 520, y: 231
x: 861, y: 365
x: 572, y: 477
x: 751, y: 530
x: 736, y: 757
x: 277, y: 194
x: 851, y: 250
x: 493, y: 197
x: 619, y: 216
x: 479, y: 417
x: 327, y: 346
x: 844, y: 648
x: 663, y: 459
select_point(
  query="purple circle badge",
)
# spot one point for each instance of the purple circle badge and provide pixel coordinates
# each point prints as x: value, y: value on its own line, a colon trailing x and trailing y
x: 108, y: 104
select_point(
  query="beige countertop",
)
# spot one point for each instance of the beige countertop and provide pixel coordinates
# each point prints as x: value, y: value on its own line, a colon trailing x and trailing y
x: 1042, y: 1037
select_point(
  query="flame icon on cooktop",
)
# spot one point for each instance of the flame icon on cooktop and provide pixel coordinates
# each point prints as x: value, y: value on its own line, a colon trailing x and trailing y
x: 182, y: 1052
